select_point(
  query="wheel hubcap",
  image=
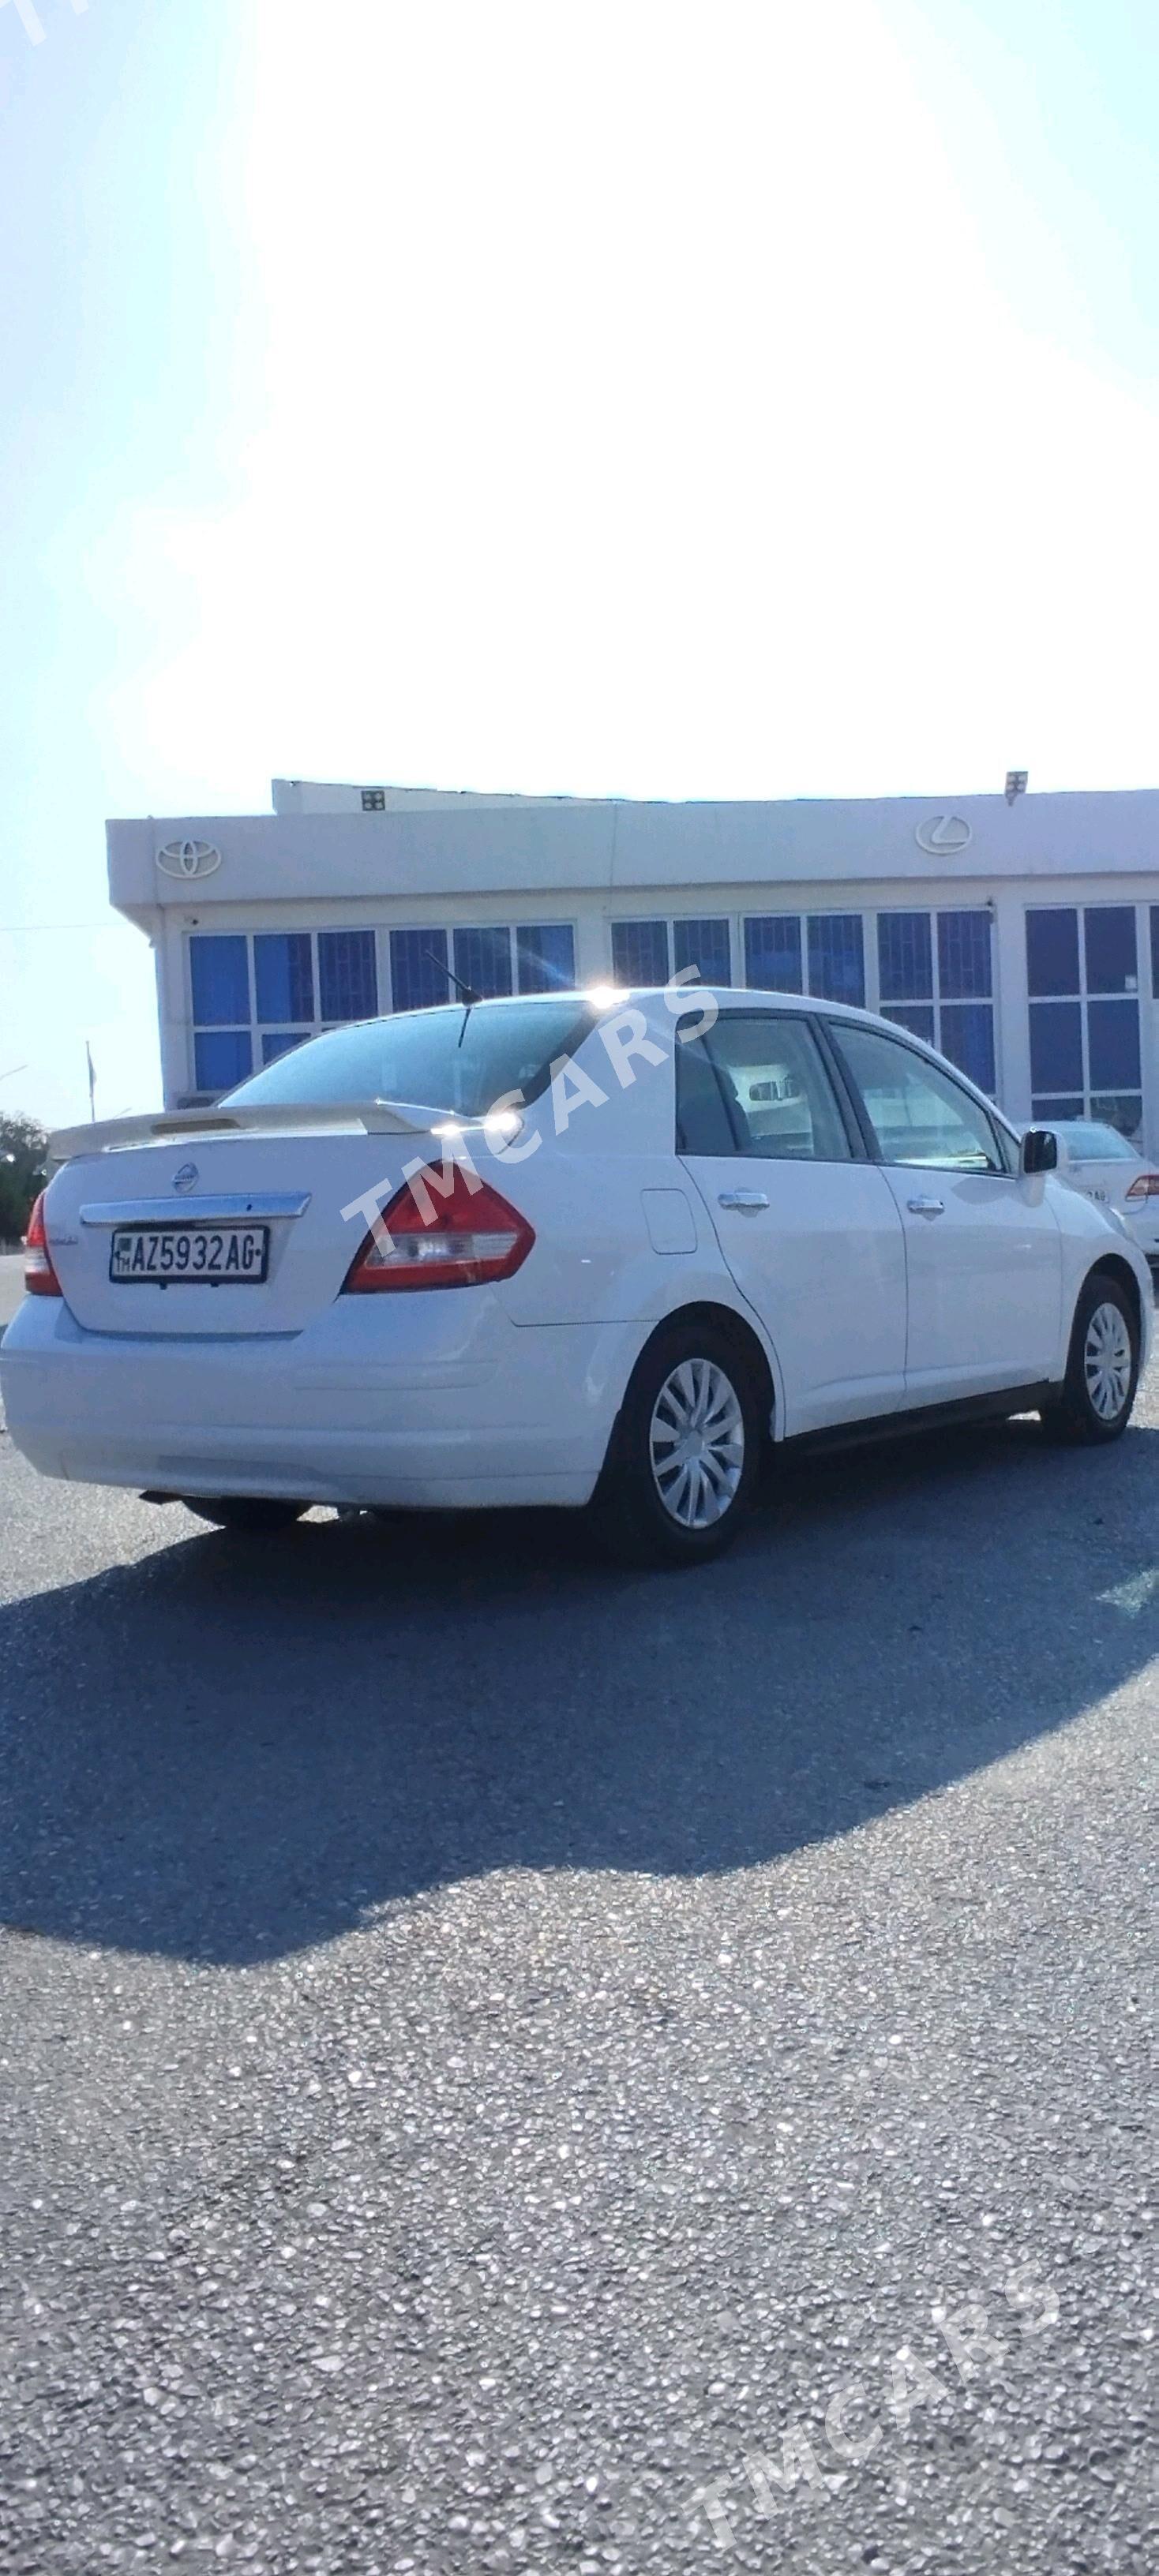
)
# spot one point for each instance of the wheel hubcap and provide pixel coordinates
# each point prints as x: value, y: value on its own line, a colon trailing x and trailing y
x: 1107, y: 1362
x: 696, y: 1444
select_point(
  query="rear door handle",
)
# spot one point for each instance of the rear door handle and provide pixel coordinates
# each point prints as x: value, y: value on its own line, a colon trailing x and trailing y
x: 926, y: 1207
x: 747, y: 1200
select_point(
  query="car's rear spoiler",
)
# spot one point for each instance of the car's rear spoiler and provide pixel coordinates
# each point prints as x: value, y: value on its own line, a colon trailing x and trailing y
x: 162, y: 1127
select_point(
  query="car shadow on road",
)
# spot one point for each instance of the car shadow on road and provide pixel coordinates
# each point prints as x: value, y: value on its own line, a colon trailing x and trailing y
x: 226, y: 1751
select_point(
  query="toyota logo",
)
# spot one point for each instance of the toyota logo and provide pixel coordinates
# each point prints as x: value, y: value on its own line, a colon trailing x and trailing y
x: 943, y: 835
x: 188, y: 859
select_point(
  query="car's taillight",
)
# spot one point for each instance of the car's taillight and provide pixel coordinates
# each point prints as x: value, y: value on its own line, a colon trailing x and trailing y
x: 40, y: 1279
x: 1146, y: 1187
x: 448, y: 1229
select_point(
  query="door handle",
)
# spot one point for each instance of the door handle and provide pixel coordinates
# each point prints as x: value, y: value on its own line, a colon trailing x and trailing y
x: 747, y: 1200
x: 926, y: 1207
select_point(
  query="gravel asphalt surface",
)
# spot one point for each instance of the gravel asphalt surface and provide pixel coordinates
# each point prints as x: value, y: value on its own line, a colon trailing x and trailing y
x: 492, y: 2049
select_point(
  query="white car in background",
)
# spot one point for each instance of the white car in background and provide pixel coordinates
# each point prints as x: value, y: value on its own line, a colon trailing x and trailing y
x: 1112, y: 1172
x: 564, y: 1249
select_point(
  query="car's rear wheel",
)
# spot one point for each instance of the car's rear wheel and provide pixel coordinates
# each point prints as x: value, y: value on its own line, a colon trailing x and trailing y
x: 248, y: 1513
x: 1098, y: 1392
x: 684, y: 1455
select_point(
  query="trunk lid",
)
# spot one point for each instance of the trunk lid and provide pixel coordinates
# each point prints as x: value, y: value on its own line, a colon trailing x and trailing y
x: 292, y: 1177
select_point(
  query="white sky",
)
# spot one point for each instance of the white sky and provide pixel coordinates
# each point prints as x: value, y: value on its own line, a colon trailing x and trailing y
x: 677, y: 400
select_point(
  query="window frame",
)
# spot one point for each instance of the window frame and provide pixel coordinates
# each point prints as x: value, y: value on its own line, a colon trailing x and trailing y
x: 813, y: 1024
x: 498, y: 934
x: 703, y: 920
x: 805, y: 919
x: 445, y: 930
x: 1005, y: 1141
x: 1082, y: 997
x: 936, y: 1001
x: 348, y: 930
x: 519, y: 930
x: 259, y: 1030
x: 669, y: 922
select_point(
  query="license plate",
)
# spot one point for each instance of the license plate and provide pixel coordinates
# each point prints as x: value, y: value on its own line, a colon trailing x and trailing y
x: 164, y: 1256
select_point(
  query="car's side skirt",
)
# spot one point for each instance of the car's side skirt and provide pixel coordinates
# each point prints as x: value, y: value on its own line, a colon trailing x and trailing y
x: 909, y: 1422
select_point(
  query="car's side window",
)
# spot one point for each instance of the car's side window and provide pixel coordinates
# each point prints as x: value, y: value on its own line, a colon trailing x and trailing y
x: 918, y: 1113
x: 756, y: 1084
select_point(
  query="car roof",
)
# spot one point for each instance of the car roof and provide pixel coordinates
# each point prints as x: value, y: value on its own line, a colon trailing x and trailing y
x: 741, y: 997
x: 745, y: 995
x: 604, y: 991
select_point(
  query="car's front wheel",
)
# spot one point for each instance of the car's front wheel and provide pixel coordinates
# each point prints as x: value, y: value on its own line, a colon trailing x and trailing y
x: 1094, y: 1404
x: 684, y: 1455
x: 248, y: 1513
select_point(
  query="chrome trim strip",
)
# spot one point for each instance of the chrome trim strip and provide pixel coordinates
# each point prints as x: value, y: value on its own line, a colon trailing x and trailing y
x: 224, y: 1209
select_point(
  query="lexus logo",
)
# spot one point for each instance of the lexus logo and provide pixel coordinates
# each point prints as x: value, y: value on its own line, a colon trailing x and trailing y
x: 943, y: 834
x: 188, y: 859
x: 186, y: 1176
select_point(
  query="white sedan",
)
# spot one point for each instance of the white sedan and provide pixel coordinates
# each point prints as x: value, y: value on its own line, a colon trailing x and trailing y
x: 565, y: 1249
x: 1107, y: 1168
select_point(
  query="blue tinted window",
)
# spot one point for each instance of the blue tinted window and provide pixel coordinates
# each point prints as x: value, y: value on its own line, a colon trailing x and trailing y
x: 1056, y: 1046
x: 640, y: 952
x: 772, y: 952
x: 917, y: 1017
x: 545, y: 957
x: 836, y: 957
x: 964, y: 956
x: 905, y: 960
x: 418, y: 976
x: 1113, y: 1045
x: 221, y: 1057
x: 219, y: 973
x: 284, y: 975
x: 704, y: 944
x: 1049, y: 1109
x: 1052, y: 950
x: 483, y: 960
x: 347, y: 979
x: 1109, y: 937
x: 968, y: 1040
x: 276, y: 1042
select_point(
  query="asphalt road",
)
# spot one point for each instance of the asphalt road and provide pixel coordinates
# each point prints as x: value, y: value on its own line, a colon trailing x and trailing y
x: 492, y: 2049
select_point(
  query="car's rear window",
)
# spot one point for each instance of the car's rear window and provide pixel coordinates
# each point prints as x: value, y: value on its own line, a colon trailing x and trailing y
x: 455, y: 1058
x: 1087, y: 1142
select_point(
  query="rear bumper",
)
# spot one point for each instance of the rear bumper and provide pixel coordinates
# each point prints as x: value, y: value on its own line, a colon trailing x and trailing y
x: 1145, y: 1230
x: 429, y: 1407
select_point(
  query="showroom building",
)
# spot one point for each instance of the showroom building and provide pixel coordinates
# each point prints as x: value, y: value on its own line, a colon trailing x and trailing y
x: 1020, y: 934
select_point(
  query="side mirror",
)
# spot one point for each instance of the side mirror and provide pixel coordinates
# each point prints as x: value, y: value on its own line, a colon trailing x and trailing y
x: 1039, y: 1151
